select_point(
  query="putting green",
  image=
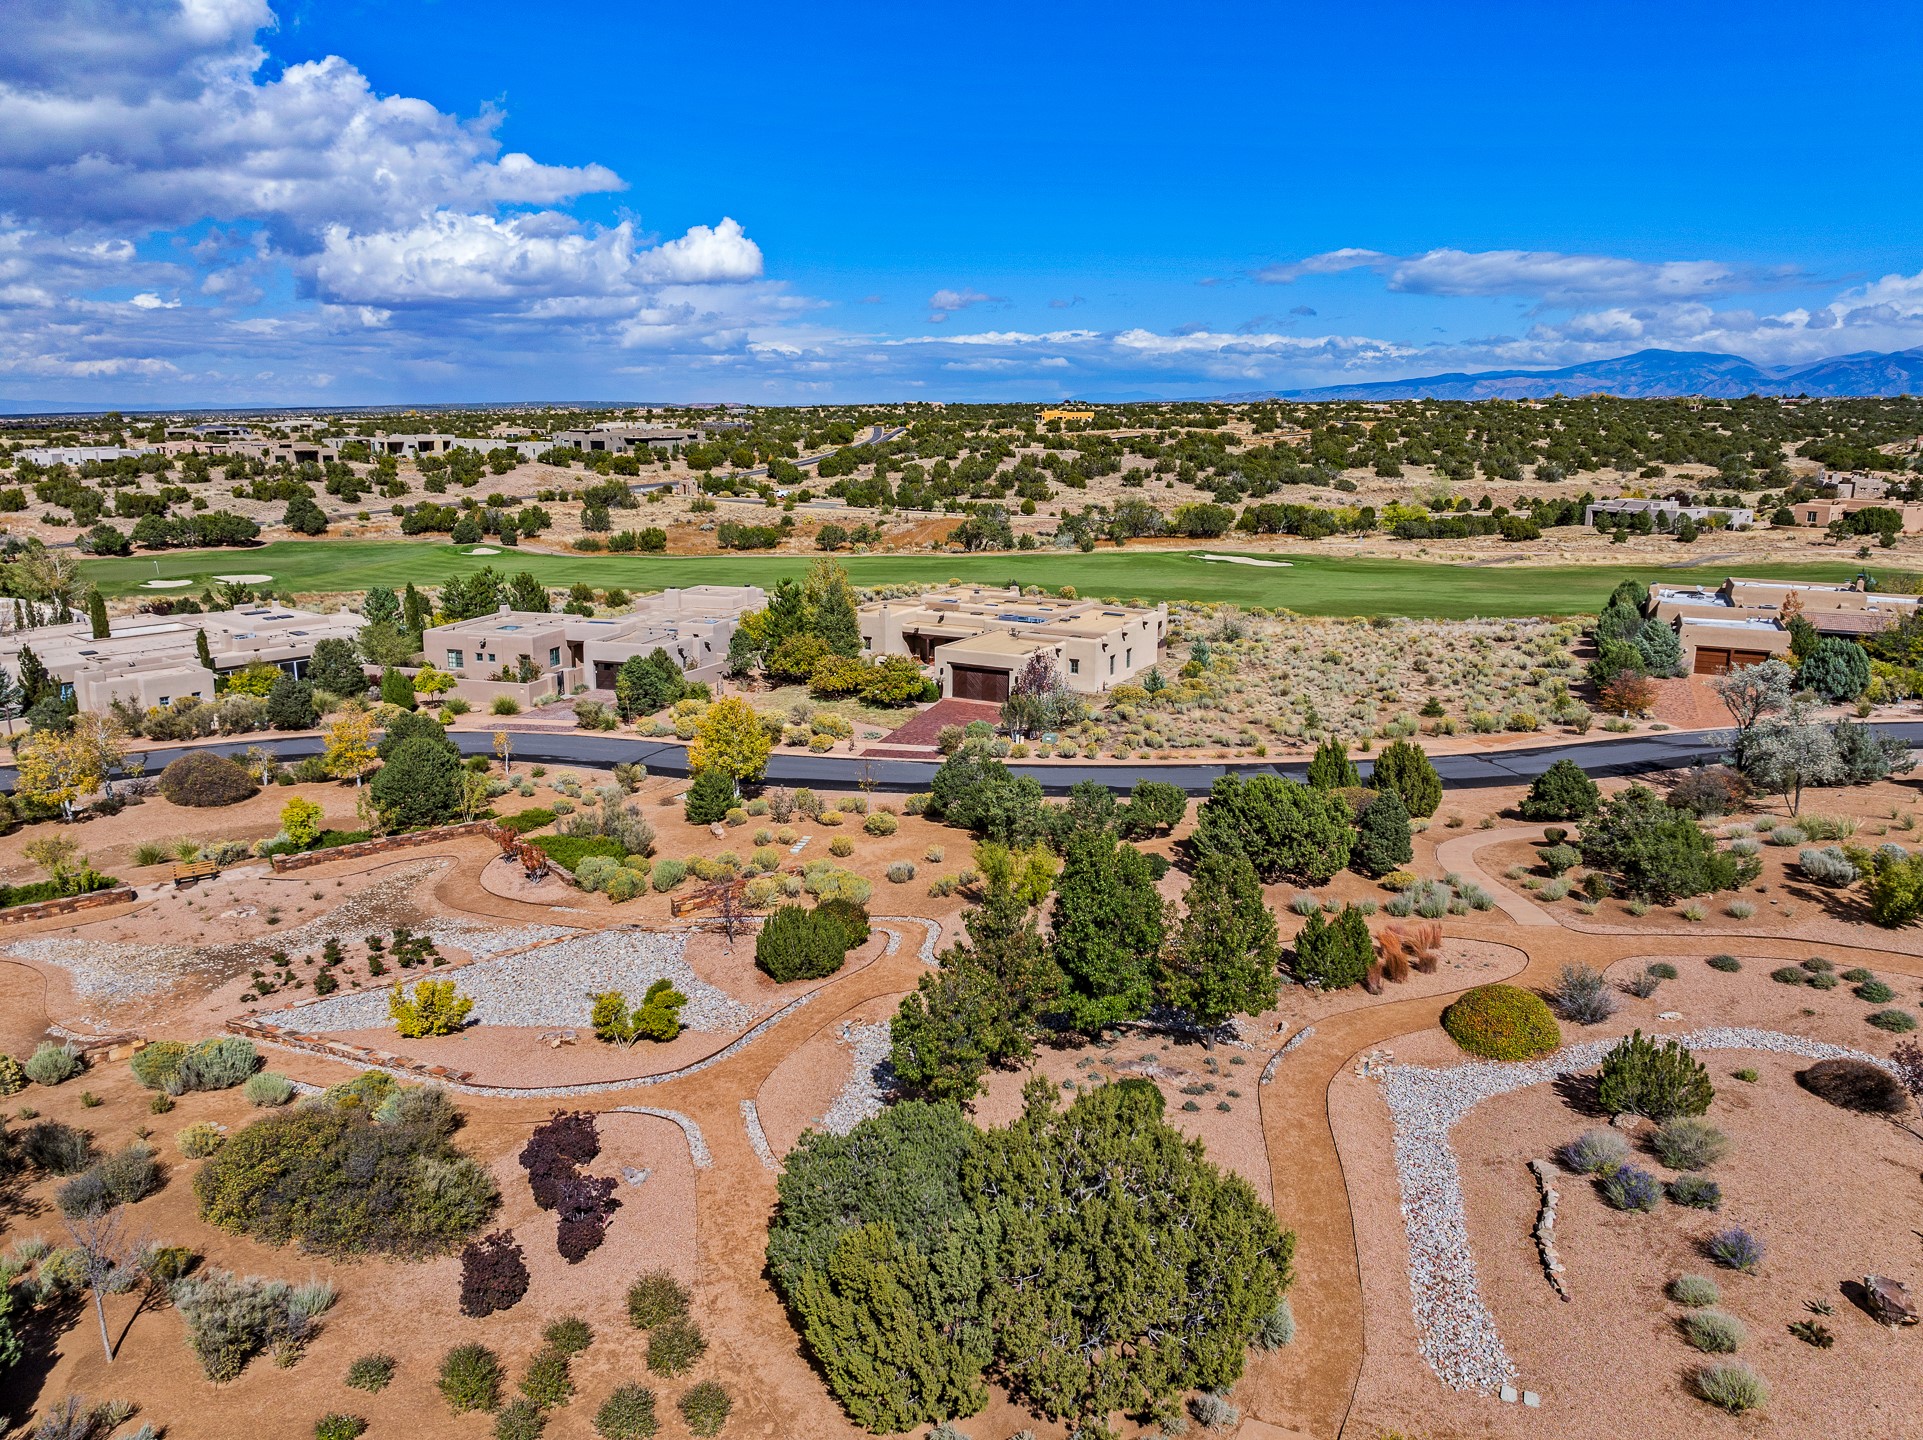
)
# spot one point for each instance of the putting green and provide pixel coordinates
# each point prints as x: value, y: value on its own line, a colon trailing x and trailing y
x: 1312, y: 584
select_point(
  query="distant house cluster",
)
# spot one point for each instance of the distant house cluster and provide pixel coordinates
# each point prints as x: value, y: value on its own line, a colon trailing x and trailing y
x: 1669, y: 512
x: 1745, y: 622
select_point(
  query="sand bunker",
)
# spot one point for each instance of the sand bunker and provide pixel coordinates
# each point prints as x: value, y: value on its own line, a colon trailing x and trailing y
x: 484, y: 550
x: 163, y: 584
x: 1248, y: 560
x: 249, y: 579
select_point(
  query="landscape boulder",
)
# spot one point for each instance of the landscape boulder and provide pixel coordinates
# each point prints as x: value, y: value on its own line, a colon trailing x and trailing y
x: 1888, y: 1301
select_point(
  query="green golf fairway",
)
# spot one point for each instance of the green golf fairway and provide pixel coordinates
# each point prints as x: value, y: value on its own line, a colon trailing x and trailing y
x: 1311, y: 584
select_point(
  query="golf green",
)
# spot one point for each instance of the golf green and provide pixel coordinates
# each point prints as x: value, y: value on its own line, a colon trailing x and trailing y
x: 1309, y: 583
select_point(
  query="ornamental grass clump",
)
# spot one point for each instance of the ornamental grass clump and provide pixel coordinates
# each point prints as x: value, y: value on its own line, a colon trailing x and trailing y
x: 1594, y: 1152
x: 1695, y: 1192
x: 1731, y: 1386
x: 705, y: 1408
x: 674, y: 1346
x: 1627, y: 1188
x: 1687, y: 1143
x: 1712, y: 1332
x: 471, y: 1378
x: 1502, y: 1022
x: 627, y: 1414
x: 656, y: 1298
x: 1694, y: 1291
x: 1583, y: 996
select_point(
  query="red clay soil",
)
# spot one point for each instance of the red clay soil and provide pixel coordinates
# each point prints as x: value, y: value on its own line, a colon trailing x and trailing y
x: 920, y: 732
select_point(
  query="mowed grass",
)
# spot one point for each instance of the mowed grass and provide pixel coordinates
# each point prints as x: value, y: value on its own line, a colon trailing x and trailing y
x: 1312, y: 584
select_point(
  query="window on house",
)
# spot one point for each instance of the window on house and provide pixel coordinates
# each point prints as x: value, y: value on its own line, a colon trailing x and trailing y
x: 554, y: 656
x: 165, y: 701
x: 1074, y: 667
x: 1111, y: 664
x: 454, y: 659
x: 1128, y: 658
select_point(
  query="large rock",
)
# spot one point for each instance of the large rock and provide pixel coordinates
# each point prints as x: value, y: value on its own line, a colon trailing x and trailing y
x: 1889, y: 1300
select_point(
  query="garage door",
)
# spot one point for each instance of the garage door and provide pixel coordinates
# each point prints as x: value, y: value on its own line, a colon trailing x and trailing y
x: 976, y: 682
x: 1721, y: 662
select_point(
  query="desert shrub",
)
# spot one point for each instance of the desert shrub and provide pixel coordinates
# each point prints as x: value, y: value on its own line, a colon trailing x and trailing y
x: 158, y: 1064
x: 435, y: 1008
x: 1696, y: 1192
x: 1333, y: 956
x: 201, y: 778
x: 674, y: 1346
x: 200, y: 1139
x: 1558, y: 858
x: 841, y: 847
x: 548, y: 1381
x: 1656, y: 1079
x: 1817, y: 965
x: 1789, y: 975
x: 1277, y: 1328
x: 1582, y: 995
x: 520, y: 1420
x: 1628, y: 1188
x: 585, y: 1206
x: 1828, y: 866
x: 902, y: 871
x: 471, y: 1378
x: 52, y: 1064
x: 1502, y: 1022
x: 56, y: 1148
x: 799, y: 943
x: 1214, y: 1412
x: 1594, y: 1152
x: 1686, y: 1143
x: 1735, y: 1249
x: 1661, y: 970
x: 624, y: 884
x: 339, y: 1426
x: 268, y: 1090
x: 1694, y: 1290
x: 1856, y: 1085
x: 13, y: 1078
x: 1896, y: 1022
x: 570, y: 1335
x: 1731, y: 1386
x: 345, y: 1183
x: 122, y: 1178
x: 593, y: 871
x: 627, y: 1414
x: 1562, y: 792
x: 656, y: 1298
x: 667, y: 874
x: 1728, y: 964
x: 881, y: 823
x: 705, y: 1408
x: 371, y: 1372
x: 710, y: 797
x: 494, y: 1274
x: 1712, y: 1331
x: 230, y: 1320
x: 218, y: 1064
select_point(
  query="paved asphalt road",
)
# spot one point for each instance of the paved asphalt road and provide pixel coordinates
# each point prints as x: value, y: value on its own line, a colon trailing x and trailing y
x: 839, y: 772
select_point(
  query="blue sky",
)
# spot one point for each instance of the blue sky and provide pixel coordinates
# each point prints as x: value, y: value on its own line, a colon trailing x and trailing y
x: 215, y: 201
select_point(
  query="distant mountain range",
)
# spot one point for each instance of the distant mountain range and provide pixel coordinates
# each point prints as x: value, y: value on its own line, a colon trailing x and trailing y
x: 1647, y: 373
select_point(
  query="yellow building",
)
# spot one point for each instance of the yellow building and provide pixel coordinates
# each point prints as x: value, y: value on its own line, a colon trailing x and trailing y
x: 1048, y: 415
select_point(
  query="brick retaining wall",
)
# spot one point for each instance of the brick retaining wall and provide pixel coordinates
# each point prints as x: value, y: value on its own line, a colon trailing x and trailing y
x: 66, y: 905
x: 376, y: 847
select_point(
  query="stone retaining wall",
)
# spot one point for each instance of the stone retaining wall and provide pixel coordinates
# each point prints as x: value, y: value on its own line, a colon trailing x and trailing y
x: 408, y: 841
x: 366, y: 1058
x: 66, y: 905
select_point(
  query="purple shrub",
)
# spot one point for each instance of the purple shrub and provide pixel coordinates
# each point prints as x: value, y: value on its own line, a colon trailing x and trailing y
x: 1627, y: 1188
x: 586, y: 1202
x: 493, y: 1274
x: 556, y: 1151
x: 1735, y: 1249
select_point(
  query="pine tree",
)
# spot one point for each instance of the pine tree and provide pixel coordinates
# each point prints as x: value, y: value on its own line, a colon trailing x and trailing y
x: 1109, y: 925
x: 97, y: 614
x: 1382, y: 840
x: 35, y: 681
x: 1224, y: 958
x: 397, y: 689
x: 201, y: 651
x: 524, y: 592
x: 1404, y: 766
x: 830, y: 604
x: 415, y: 612
x: 1331, y: 769
x: 381, y: 606
x: 1334, y: 956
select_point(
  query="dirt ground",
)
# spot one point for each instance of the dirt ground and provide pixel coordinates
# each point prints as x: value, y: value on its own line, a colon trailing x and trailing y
x: 1314, y: 1142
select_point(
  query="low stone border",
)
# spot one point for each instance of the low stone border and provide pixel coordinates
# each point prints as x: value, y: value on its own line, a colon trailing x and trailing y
x: 1545, y: 1231
x: 1455, y: 1331
x: 264, y: 1033
x: 757, y: 1137
x: 67, y: 905
x: 1268, y: 1070
x: 697, y: 1143
x: 409, y: 841
x: 930, y: 939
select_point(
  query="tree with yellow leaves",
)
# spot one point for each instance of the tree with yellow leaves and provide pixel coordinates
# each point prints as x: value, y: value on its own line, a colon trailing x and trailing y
x: 60, y: 767
x: 350, y: 742
x: 730, y: 738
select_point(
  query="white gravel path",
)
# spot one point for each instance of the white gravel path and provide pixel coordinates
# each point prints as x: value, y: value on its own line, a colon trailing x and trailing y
x: 1456, y: 1332
x: 549, y: 986
x: 862, y: 1095
x: 757, y: 1137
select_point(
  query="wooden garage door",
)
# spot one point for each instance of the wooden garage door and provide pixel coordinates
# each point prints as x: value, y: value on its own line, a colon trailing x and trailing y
x: 976, y: 682
x: 1721, y: 662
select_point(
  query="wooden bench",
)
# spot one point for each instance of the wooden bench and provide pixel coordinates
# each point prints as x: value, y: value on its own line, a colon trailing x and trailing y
x: 186, y: 872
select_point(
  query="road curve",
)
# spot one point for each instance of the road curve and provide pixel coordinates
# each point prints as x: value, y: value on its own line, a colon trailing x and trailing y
x: 1604, y: 758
